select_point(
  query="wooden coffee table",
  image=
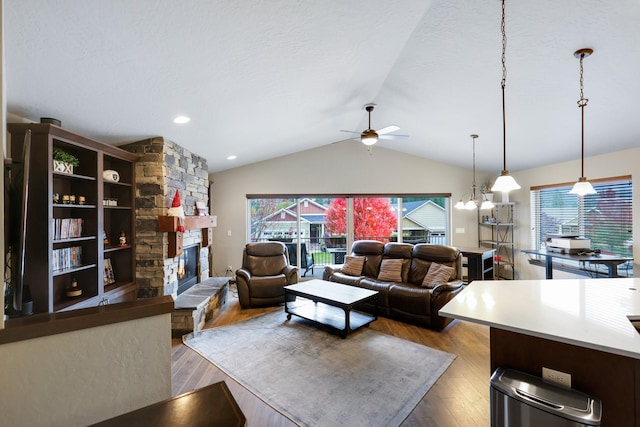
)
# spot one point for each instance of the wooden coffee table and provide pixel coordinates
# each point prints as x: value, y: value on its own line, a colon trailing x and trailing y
x: 331, y: 304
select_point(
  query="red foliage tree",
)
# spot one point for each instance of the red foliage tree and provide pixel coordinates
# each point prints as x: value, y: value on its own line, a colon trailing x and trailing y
x: 373, y: 218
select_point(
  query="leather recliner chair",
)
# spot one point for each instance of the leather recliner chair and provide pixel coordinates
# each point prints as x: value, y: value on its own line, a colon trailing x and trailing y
x: 264, y: 274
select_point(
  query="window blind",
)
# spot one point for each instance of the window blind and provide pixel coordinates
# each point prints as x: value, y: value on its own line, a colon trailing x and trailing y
x: 605, y: 218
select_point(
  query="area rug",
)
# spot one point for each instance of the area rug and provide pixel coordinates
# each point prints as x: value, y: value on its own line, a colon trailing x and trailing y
x: 316, y: 378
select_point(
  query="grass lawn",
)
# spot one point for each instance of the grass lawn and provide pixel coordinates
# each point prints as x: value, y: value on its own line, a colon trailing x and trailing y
x: 322, y: 257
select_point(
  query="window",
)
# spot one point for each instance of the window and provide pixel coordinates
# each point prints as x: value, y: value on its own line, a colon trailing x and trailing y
x: 605, y: 217
x: 327, y: 225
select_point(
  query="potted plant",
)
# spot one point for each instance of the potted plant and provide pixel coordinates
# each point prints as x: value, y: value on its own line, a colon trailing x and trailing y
x: 485, y: 189
x: 63, y: 161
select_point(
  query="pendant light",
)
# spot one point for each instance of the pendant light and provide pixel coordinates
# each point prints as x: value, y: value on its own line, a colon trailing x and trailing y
x: 473, y: 201
x: 504, y: 182
x: 582, y: 187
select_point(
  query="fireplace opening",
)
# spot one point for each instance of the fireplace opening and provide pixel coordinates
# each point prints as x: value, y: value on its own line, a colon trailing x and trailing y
x: 187, y: 268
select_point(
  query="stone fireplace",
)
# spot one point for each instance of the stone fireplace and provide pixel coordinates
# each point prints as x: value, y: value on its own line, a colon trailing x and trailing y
x: 163, y: 168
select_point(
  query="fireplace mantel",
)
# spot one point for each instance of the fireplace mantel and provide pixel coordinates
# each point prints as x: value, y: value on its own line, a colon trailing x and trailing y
x: 170, y: 224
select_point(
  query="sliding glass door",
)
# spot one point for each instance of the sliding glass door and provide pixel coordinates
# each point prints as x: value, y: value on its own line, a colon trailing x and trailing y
x: 324, y: 228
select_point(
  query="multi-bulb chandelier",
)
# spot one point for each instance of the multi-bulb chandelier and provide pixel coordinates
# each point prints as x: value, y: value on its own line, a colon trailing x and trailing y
x: 505, y: 182
x: 474, y: 201
x: 582, y: 187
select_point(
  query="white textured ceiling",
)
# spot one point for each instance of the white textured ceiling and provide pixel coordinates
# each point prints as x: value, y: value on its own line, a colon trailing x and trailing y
x: 261, y: 79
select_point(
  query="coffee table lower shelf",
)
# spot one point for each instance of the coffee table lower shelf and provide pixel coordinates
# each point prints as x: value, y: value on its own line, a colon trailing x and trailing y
x: 328, y: 315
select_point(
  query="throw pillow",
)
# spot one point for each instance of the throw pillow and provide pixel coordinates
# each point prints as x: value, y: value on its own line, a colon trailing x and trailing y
x: 353, y: 265
x: 438, y: 274
x: 391, y: 270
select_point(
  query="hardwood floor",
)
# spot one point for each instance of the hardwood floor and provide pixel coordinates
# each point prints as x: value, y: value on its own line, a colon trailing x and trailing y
x: 460, y: 397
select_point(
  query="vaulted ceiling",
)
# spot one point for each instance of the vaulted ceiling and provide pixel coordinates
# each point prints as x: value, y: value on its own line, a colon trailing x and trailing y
x: 261, y: 79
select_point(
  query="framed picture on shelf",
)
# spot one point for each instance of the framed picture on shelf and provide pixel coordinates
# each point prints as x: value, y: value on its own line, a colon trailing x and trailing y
x: 109, y: 277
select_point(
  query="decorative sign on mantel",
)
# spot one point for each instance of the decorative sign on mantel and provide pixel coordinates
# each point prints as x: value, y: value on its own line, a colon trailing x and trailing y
x: 170, y: 224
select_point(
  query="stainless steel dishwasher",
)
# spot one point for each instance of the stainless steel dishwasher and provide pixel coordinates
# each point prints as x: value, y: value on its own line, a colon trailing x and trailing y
x: 522, y: 400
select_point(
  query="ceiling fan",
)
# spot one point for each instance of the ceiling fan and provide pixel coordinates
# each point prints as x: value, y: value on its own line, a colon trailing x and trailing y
x: 370, y: 136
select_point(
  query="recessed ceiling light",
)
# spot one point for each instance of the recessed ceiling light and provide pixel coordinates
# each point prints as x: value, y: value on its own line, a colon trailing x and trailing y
x: 232, y: 157
x: 182, y: 120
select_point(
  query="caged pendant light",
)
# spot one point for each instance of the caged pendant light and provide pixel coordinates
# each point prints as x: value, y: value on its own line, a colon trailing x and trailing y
x: 473, y: 201
x: 582, y: 187
x: 504, y: 182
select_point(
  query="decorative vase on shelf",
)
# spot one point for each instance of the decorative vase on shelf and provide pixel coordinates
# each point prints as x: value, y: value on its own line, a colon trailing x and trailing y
x: 62, y: 167
x: 63, y: 161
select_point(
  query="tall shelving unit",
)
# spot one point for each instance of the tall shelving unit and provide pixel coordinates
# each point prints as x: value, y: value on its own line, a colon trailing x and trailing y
x: 497, y: 232
x: 77, y: 240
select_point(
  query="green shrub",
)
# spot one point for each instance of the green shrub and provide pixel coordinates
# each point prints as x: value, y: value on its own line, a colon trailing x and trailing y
x: 63, y: 156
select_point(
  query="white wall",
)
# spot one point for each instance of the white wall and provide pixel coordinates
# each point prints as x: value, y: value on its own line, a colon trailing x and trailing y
x: 86, y: 376
x: 341, y: 168
x: 620, y: 163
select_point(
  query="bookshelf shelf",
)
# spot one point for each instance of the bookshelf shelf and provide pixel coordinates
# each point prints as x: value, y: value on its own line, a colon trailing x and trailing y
x: 498, y: 234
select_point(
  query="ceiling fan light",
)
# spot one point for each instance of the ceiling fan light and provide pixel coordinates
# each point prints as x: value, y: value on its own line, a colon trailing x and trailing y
x: 582, y: 187
x: 369, y: 137
x: 505, y: 183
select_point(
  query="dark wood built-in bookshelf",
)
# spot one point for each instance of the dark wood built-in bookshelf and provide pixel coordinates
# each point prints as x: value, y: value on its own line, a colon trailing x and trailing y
x: 106, y: 211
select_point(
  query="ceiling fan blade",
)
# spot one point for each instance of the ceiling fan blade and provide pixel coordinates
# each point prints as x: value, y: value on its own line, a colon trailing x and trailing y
x: 350, y: 131
x: 393, y: 137
x: 388, y: 129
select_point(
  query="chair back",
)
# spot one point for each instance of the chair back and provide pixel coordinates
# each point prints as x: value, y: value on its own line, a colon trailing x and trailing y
x: 265, y: 258
x: 293, y: 254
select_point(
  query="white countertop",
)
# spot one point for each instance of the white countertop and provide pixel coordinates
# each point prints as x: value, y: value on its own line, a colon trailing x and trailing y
x: 591, y: 313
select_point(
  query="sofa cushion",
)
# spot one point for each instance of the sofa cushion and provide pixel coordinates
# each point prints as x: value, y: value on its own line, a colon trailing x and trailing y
x: 372, y: 251
x: 353, y: 265
x: 438, y: 274
x: 268, y: 286
x: 391, y: 270
x: 345, y: 279
x: 418, y: 270
x: 402, y: 251
x: 407, y: 298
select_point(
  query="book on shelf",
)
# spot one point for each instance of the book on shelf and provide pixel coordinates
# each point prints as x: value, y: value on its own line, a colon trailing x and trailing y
x: 67, y: 228
x: 66, y: 258
x: 109, y: 276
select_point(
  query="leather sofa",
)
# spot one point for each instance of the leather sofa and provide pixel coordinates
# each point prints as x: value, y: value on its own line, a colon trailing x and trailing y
x: 264, y: 274
x: 407, y: 299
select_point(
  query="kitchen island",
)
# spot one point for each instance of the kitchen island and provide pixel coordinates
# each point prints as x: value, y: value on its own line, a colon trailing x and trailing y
x: 582, y: 327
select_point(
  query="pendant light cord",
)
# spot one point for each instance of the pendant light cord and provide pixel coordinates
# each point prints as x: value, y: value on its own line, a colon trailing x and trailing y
x: 503, y: 83
x: 582, y: 102
x: 473, y: 186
